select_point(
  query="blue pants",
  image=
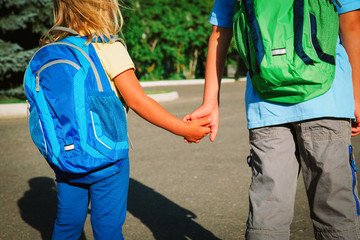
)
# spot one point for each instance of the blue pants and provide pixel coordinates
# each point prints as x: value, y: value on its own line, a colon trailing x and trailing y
x: 108, y: 207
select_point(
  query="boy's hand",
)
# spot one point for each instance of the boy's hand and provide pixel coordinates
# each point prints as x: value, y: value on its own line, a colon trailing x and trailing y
x: 197, y: 130
x: 355, y: 128
x: 356, y: 123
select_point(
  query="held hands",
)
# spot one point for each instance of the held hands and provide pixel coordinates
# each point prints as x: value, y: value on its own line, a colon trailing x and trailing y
x: 209, y: 112
x: 197, y: 130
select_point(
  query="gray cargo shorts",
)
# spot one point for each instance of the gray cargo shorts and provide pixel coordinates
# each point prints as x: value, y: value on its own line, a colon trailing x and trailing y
x: 320, y: 147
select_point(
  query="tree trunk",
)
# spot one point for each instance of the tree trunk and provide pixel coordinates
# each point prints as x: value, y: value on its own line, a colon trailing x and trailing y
x: 193, y: 63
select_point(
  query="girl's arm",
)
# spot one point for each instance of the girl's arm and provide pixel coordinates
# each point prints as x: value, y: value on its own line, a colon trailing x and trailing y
x: 350, y: 36
x: 152, y: 111
x: 219, y: 42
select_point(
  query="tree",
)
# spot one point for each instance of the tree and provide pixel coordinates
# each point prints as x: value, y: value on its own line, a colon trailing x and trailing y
x: 22, y: 22
x: 167, y: 38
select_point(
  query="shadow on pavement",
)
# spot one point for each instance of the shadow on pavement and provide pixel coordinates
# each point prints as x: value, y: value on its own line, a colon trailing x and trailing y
x: 38, y: 206
x: 165, y: 219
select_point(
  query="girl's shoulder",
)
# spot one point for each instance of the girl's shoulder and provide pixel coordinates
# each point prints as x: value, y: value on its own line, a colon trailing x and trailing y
x: 112, y: 51
x: 114, y: 47
x: 114, y: 57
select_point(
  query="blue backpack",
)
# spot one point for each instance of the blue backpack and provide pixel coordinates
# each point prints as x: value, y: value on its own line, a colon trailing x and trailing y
x: 76, y: 120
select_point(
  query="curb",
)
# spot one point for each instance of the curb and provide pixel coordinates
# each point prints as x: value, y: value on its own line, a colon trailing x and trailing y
x: 19, y: 110
x: 165, y: 97
x: 182, y: 82
x: 13, y: 110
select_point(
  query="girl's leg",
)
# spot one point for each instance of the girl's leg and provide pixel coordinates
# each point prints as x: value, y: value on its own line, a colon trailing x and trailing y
x: 73, y: 202
x: 273, y: 184
x: 108, y: 205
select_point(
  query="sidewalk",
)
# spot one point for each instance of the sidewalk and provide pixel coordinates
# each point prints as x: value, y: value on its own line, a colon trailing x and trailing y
x: 19, y: 110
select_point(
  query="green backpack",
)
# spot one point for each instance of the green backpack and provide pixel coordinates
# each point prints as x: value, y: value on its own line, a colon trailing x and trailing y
x: 288, y: 46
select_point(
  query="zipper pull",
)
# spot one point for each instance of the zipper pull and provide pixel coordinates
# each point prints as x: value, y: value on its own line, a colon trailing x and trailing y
x: 37, y: 82
x: 249, y: 158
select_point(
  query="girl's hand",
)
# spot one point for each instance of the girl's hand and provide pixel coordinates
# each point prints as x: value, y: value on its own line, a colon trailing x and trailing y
x: 197, y: 129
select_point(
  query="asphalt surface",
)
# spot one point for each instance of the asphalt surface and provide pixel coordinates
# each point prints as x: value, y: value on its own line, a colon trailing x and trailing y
x: 177, y: 190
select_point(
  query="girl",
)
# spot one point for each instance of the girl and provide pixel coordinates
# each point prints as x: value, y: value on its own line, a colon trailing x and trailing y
x: 107, y: 187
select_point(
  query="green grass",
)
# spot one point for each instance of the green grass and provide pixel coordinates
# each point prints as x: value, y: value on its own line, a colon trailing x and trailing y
x: 6, y: 99
x: 159, y: 91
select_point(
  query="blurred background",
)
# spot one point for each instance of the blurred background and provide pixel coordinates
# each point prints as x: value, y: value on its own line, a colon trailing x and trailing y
x: 167, y: 40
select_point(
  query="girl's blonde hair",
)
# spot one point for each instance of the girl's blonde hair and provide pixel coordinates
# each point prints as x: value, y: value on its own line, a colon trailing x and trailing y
x: 91, y: 18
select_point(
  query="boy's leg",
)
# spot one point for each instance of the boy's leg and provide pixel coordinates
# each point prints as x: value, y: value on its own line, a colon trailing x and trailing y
x: 273, y: 186
x: 108, y: 204
x: 329, y: 179
x: 73, y: 202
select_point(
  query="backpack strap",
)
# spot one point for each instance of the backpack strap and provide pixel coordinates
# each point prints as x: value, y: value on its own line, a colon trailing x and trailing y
x: 113, y: 38
x: 65, y: 29
x: 118, y: 39
x: 255, y: 33
x: 337, y: 2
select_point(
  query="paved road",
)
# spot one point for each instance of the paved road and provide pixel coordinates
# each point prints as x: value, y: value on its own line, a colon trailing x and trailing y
x: 177, y: 191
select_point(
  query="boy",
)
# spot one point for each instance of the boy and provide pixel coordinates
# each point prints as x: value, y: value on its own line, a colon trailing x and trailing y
x: 313, y: 135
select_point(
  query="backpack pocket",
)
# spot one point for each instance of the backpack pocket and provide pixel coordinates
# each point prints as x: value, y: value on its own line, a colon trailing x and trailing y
x: 107, y: 128
x: 54, y: 80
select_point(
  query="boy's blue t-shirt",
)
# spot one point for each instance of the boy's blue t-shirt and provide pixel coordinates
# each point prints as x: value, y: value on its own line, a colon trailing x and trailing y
x: 338, y: 102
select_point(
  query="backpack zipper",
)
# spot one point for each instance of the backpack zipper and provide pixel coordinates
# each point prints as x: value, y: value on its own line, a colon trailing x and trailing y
x: 97, y: 76
x: 37, y: 75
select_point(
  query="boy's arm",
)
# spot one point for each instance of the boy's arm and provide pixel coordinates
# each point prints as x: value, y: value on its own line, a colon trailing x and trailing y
x: 350, y: 36
x: 219, y: 42
x: 152, y: 111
